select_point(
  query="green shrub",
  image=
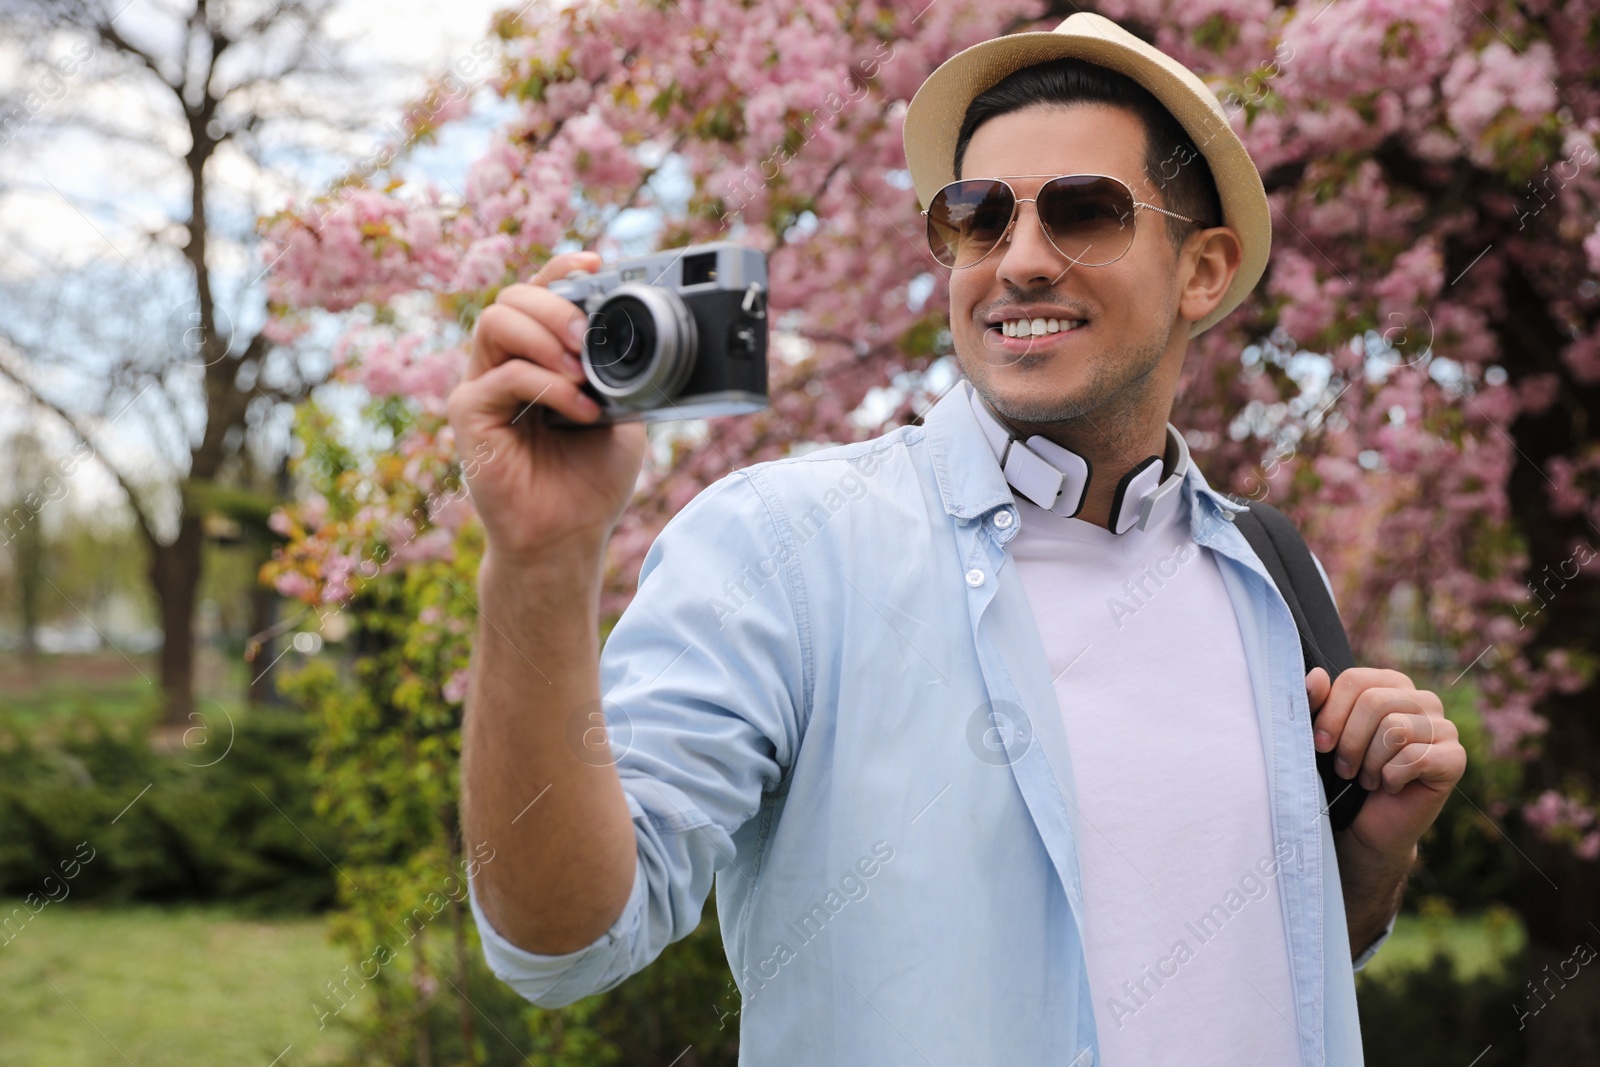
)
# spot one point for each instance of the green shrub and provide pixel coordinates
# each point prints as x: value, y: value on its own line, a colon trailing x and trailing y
x: 1432, y: 1016
x: 219, y: 821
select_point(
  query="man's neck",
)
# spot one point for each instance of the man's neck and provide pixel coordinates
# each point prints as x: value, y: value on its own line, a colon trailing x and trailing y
x: 1113, y: 445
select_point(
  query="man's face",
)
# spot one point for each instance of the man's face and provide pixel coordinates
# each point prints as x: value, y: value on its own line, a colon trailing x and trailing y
x: 1127, y: 308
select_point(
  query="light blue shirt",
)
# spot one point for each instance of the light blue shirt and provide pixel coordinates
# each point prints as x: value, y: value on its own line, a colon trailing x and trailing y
x: 829, y: 693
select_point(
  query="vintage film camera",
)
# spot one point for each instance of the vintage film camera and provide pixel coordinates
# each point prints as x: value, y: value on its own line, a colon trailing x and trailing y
x: 680, y: 334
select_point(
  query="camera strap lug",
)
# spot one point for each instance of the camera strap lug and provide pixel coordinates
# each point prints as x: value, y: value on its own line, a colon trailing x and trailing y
x: 752, y: 304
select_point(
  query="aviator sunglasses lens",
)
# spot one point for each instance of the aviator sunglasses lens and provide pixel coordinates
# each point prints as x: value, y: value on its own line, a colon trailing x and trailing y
x: 1089, y: 219
x: 966, y: 218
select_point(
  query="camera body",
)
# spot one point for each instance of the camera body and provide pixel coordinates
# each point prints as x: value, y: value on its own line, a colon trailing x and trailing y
x: 680, y: 334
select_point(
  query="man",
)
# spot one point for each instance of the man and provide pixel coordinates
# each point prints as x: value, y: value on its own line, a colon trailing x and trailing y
x: 1005, y: 764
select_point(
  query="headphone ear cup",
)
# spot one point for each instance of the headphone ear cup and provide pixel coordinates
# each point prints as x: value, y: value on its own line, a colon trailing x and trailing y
x: 1134, y: 486
x: 1075, y: 469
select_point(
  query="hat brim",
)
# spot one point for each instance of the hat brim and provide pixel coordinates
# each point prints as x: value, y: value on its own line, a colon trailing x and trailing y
x: 933, y: 122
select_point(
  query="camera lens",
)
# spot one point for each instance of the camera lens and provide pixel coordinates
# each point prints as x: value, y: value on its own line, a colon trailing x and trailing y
x: 620, y: 339
x: 640, y: 347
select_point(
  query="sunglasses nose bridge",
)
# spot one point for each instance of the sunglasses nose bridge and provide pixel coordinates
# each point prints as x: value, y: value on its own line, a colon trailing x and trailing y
x: 1016, y: 215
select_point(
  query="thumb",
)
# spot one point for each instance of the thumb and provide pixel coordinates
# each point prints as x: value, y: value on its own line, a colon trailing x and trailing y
x: 1318, y: 686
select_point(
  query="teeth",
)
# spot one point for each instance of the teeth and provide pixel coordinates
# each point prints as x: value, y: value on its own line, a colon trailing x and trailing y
x: 1037, y: 327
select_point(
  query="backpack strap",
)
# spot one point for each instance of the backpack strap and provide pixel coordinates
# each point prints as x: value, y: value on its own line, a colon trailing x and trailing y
x: 1322, y: 638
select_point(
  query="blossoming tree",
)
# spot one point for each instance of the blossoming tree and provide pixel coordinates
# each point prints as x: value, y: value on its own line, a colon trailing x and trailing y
x: 1415, y: 378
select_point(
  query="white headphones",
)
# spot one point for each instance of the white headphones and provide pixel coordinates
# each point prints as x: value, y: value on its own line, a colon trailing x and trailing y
x: 1057, y: 479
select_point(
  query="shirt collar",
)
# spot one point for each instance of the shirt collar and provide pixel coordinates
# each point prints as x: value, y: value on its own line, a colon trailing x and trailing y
x: 971, y: 483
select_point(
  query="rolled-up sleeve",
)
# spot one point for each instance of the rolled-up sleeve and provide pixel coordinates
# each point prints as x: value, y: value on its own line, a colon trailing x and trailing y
x: 703, y: 682
x: 1372, y: 949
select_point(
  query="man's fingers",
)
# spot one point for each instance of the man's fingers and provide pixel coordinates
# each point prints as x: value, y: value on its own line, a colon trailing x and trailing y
x: 558, y: 267
x: 545, y: 337
x: 1441, y: 765
x: 505, y: 393
x: 506, y: 332
x: 566, y: 321
x: 1372, y: 708
x: 1341, y: 701
x: 1398, y: 731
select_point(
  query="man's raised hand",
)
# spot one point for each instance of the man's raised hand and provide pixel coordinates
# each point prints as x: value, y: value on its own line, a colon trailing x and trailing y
x: 541, y: 490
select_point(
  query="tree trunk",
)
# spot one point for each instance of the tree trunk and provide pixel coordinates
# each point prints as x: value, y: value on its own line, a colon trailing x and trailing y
x: 28, y: 557
x: 175, y: 577
x: 263, y: 673
x: 1560, y: 1007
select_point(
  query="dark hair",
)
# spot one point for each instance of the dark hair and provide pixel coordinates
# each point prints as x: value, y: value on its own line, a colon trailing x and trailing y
x: 1171, y: 161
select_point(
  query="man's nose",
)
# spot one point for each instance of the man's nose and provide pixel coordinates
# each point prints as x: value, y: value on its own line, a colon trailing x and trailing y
x: 1027, y: 258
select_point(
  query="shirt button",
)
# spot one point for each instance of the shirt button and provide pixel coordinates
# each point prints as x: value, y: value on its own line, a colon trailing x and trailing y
x: 1002, y: 519
x: 974, y: 577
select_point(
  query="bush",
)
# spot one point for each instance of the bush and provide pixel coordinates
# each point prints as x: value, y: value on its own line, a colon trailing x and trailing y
x: 1432, y: 1017
x: 219, y: 821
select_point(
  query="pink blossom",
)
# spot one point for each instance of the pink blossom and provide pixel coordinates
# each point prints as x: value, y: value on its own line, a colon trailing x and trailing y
x: 484, y: 264
x: 564, y: 99
x: 285, y: 331
x: 1416, y: 277
x: 380, y: 369
x: 337, y: 569
x: 1311, y: 303
x: 314, y: 510
x: 596, y: 150
x: 1346, y: 48
x: 1481, y: 86
x: 294, y: 585
x: 455, y: 689
x: 431, y: 545
x: 1538, y: 392
x: 1552, y: 811
x: 433, y: 374
x: 1509, y: 725
x: 1582, y: 357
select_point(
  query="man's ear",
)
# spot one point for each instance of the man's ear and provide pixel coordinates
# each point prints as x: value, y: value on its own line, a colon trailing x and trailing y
x: 1215, y: 254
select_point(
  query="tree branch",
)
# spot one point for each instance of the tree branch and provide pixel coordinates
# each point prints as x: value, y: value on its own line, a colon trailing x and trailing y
x: 145, y: 521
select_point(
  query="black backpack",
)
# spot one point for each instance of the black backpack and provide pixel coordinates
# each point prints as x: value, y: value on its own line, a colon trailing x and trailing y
x: 1322, y: 637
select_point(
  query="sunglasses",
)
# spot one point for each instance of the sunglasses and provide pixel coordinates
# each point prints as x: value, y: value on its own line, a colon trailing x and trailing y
x: 1088, y: 218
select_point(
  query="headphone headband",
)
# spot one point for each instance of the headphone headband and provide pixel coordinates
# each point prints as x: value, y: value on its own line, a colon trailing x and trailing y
x: 1057, y: 479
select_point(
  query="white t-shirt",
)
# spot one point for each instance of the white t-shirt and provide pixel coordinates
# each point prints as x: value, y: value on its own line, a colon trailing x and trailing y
x: 1187, y: 956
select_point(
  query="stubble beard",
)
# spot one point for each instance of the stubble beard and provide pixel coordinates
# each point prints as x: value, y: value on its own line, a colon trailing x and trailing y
x: 1105, y: 408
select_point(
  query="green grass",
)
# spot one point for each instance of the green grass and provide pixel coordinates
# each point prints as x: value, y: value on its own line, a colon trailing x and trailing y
x: 1476, y: 944
x: 48, y: 689
x: 86, y: 987
x: 102, y: 684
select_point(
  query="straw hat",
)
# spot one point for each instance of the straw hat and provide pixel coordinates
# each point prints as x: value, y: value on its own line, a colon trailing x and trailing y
x: 934, y: 119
